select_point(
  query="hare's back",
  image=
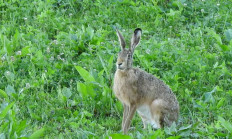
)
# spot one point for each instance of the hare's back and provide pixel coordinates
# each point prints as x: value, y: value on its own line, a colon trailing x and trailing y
x: 148, y: 83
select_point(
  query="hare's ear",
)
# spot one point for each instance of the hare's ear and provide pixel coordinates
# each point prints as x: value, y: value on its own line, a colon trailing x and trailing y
x: 121, y: 40
x: 135, y: 38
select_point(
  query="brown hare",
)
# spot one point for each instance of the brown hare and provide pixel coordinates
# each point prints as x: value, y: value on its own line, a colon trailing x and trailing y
x: 138, y: 90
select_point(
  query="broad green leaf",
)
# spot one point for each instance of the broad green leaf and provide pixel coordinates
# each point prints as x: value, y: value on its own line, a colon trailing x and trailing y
x: 37, y: 134
x: 225, y: 124
x: 66, y: 92
x: 185, y: 133
x: 90, y: 90
x: 220, y: 103
x: 21, y: 126
x: 100, y: 74
x: 16, y: 35
x: 85, y: 74
x: 90, y: 32
x: 215, y: 35
x: 16, y: 39
x: 224, y: 47
x: 9, y: 75
x: 85, y: 90
x: 4, y: 126
x: 228, y: 34
x: 185, y: 127
x: 171, y: 130
x: 173, y: 13
x: 87, y: 114
x: 81, y: 87
x: 177, y: 4
x: 23, y: 138
x: 5, y: 111
x: 4, y: 95
x: 39, y: 55
x: 61, y: 97
x: 221, y: 134
x: 174, y: 137
x: 36, y: 117
x: 215, y: 65
x: 2, y: 136
x: 38, y: 58
x: 229, y: 92
x: 9, y: 90
x: 120, y: 136
x: 74, y: 125
x: 25, y: 50
x: 209, y: 95
x: 158, y: 133
x: 9, y: 48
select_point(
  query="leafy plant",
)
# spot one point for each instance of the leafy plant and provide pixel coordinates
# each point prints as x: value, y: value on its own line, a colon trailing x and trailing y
x: 57, y: 66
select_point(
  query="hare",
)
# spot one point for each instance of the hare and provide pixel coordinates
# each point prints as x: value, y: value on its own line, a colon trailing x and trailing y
x: 138, y: 90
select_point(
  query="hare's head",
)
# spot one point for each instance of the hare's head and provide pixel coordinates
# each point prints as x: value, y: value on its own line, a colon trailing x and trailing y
x: 125, y: 56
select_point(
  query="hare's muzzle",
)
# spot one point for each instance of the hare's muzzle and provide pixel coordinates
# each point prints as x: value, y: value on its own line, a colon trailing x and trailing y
x: 120, y: 66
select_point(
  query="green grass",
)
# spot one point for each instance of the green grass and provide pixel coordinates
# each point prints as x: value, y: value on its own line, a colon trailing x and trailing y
x: 57, y: 66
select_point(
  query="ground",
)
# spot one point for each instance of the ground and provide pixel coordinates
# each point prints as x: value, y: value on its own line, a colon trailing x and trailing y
x: 57, y: 61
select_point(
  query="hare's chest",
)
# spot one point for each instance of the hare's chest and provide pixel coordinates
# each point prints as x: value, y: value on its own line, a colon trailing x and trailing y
x: 123, y: 91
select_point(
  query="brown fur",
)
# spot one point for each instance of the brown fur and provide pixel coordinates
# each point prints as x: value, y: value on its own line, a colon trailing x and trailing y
x: 135, y: 87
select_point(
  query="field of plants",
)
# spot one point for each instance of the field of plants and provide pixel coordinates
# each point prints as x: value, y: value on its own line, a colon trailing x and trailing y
x: 57, y: 63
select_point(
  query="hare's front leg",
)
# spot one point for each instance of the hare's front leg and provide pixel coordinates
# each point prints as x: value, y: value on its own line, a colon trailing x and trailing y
x: 125, y: 114
x: 131, y: 112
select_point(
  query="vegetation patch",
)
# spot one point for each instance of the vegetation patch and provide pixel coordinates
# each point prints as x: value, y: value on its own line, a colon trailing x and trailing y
x: 57, y: 61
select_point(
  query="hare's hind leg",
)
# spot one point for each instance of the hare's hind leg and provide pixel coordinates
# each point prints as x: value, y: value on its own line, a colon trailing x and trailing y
x: 170, y: 116
x: 156, y: 110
